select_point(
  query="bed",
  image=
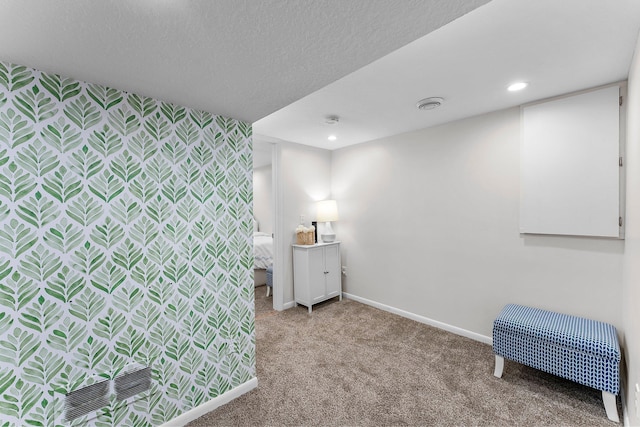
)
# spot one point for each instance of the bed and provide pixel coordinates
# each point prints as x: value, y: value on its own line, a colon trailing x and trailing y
x: 262, y: 256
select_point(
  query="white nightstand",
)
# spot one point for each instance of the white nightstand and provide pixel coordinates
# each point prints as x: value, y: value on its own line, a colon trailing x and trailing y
x: 316, y: 273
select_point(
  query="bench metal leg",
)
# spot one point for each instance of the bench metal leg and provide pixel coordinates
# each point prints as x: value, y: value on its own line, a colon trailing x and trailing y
x: 610, y: 406
x: 499, y: 366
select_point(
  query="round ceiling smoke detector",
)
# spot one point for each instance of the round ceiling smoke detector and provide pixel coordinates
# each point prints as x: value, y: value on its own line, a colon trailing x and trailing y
x: 332, y: 120
x: 429, y: 103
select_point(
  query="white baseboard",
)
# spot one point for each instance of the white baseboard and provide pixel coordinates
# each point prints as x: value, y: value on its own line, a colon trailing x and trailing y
x: 288, y: 305
x: 214, y: 403
x: 421, y: 319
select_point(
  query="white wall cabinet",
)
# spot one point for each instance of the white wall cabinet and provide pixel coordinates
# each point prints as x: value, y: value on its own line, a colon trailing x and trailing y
x: 316, y: 273
x: 571, y: 166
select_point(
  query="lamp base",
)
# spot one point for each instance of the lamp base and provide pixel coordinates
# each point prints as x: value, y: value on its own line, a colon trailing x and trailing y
x: 328, y: 238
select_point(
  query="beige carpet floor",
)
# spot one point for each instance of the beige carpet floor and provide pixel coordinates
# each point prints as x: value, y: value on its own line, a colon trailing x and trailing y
x: 264, y: 303
x: 348, y: 364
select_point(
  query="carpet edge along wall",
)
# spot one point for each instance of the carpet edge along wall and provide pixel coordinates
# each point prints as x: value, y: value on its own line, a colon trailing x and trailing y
x: 125, y: 240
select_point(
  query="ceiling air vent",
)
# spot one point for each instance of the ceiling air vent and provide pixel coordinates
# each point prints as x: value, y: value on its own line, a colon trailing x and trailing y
x: 429, y: 103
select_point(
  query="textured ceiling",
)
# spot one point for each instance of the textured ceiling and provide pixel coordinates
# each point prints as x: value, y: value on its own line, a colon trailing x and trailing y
x: 239, y: 58
x: 557, y: 46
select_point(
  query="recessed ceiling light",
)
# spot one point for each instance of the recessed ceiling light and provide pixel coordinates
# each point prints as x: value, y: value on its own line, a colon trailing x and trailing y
x: 332, y: 138
x: 517, y: 86
x: 429, y: 103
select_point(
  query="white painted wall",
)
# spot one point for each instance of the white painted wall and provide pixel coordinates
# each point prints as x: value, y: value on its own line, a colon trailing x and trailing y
x: 631, y: 300
x: 262, y: 198
x: 304, y: 178
x: 429, y: 222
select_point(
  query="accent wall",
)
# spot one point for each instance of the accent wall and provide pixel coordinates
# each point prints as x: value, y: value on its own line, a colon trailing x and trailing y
x: 125, y: 239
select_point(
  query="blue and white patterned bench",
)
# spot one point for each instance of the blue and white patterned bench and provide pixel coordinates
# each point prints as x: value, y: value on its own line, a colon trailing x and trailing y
x: 578, y: 349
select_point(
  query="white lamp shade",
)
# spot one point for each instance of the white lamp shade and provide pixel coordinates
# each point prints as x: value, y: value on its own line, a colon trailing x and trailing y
x: 327, y: 211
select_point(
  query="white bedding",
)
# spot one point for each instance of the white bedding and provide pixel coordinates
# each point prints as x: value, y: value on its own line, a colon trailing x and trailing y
x: 262, y: 250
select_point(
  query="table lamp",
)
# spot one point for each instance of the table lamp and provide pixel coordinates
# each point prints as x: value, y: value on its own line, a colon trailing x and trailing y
x: 327, y: 212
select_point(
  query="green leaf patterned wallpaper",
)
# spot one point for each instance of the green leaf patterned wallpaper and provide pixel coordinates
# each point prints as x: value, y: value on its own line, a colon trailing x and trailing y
x: 125, y: 237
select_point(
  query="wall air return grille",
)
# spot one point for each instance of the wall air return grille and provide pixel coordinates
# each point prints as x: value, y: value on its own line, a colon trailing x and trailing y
x: 86, y: 400
x: 132, y: 383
